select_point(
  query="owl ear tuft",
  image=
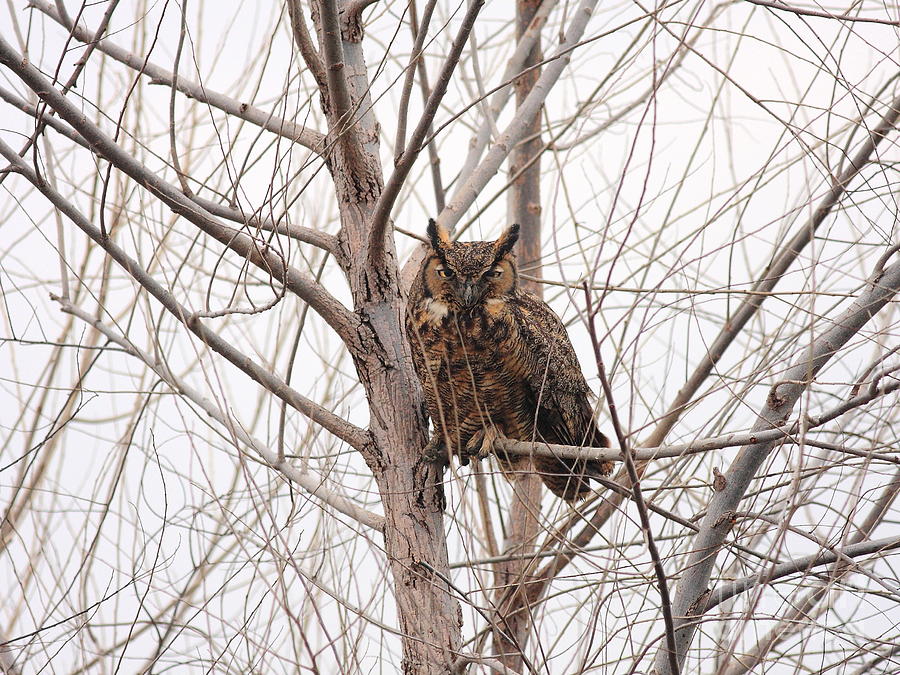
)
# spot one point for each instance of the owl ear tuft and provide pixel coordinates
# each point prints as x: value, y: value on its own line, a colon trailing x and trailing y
x: 507, y: 240
x: 437, y: 235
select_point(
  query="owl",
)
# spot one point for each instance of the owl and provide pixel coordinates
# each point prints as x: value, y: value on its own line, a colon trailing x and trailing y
x: 495, y: 361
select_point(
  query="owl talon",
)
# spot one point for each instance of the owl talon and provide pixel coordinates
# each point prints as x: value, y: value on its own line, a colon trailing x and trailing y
x: 435, y: 451
x: 482, y: 443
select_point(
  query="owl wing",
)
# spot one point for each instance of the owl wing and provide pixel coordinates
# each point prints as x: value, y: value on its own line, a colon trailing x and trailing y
x: 564, y: 413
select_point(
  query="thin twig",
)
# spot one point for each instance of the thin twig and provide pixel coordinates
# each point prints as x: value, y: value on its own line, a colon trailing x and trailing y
x: 255, y: 251
x: 419, y: 32
x: 340, y: 427
x: 637, y: 496
x: 799, y: 11
x: 313, y: 140
x: 308, y: 479
x: 382, y: 211
x: 781, y: 400
x: 467, y: 192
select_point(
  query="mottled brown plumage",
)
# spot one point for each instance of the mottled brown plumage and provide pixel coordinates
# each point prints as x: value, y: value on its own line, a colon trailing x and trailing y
x: 494, y: 360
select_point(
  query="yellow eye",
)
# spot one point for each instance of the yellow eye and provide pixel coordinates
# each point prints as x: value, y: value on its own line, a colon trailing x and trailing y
x: 444, y: 272
x: 493, y: 273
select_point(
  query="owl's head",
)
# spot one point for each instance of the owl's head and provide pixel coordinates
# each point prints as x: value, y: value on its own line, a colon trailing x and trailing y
x: 465, y: 275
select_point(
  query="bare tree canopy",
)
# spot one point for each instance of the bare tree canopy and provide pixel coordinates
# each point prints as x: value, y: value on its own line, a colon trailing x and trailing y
x: 211, y: 430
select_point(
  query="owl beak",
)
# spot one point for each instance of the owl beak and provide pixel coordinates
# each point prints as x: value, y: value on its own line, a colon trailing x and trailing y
x: 469, y: 293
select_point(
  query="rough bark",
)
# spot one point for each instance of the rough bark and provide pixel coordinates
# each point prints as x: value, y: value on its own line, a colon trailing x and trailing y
x: 415, y: 544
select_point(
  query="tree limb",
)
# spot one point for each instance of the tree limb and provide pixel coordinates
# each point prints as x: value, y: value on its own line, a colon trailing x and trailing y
x: 689, y: 604
x: 340, y: 427
x: 415, y: 59
x: 308, y: 138
x: 340, y: 101
x: 810, y: 601
x: 258, y: 253
x: 500, y: 97
x: 782, y: 260
x: 304, y: 43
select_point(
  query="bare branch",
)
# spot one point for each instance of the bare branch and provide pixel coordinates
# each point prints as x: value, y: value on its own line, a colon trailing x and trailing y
x: 323, y: 240
x: 781, y: 262
x: 811, y: 598
x: 782, y: 397
x: 338, y: 93
x: 466, y: 194
x: 353, y: 435
x: 308, y: 479
x: 500, y: 97
x: 313, y: 140
x: 304, y: 43
x: 799, y: 11
x: 382, y: 213
x: 261, y: 255
x: 637, y: 494
x: 730, y: 440
x: 308, y: 235
x: 459, y: 667
x: 415, y: 59
x: 355, y: 8
x: 433, y: 156
x: 826, y: 557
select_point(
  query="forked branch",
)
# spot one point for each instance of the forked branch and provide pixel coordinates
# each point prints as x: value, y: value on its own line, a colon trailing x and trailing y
x: 689, y: 604
x: 308, y: 138
x: 340, y: 427
x: 255, y: 251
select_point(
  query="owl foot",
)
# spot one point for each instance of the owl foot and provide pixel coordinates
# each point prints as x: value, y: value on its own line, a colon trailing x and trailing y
x: 482, y: 443
x: 435, y: 450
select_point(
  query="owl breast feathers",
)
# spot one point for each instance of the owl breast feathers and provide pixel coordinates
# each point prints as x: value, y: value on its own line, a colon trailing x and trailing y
x: 494, y: 360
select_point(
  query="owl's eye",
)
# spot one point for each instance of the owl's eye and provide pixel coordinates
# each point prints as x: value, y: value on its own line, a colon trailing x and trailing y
x: 493, y: 273
x: 444, y: 272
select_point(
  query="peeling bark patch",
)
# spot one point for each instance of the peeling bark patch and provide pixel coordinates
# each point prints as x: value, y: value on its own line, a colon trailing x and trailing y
x: 351, y: 25
x: 429, y: 485
x: 719, y: 480
x: 370, y: 344
x: 729, y: 518
x: 375, y: 458
x: 699, y: 605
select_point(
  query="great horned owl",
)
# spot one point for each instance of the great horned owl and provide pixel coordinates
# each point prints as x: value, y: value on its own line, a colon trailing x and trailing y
x: 494, y: 360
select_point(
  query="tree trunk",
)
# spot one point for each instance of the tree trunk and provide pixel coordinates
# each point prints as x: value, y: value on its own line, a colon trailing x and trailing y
x: 410, y: 490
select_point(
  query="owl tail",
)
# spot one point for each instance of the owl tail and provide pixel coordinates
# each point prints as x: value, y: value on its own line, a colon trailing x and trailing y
x: 568, y: 478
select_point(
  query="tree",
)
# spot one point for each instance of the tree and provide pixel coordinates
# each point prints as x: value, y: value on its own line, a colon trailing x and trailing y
x: 212, y: 429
